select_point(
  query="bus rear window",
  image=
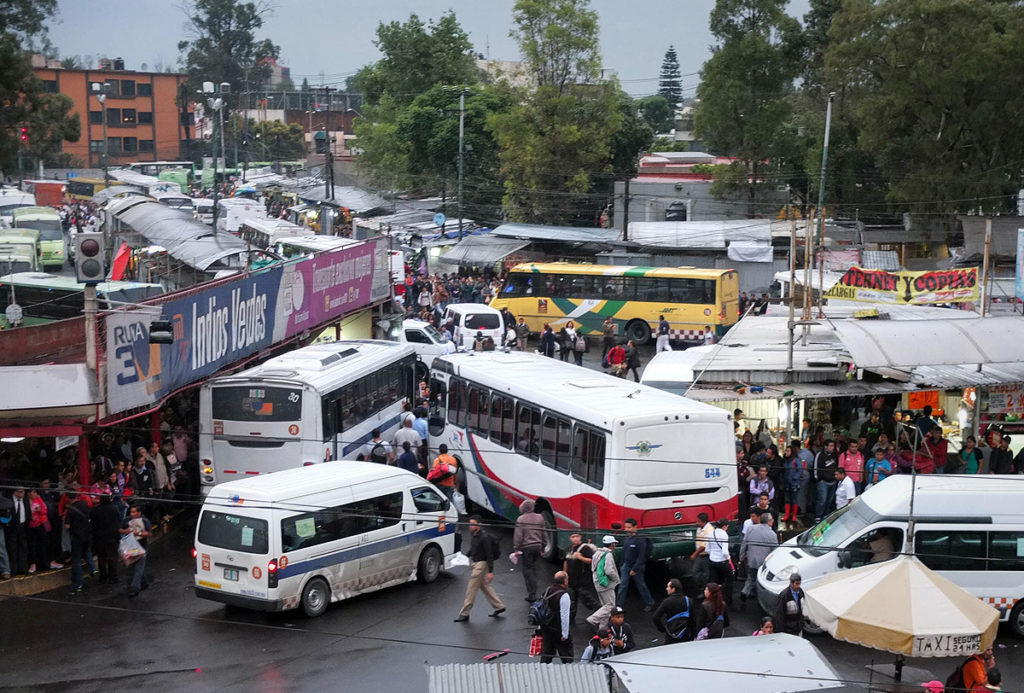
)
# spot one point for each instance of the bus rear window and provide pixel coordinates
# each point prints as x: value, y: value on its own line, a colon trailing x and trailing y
x: 483, y: 321
x: 246, y: 403
x: 233, y: 532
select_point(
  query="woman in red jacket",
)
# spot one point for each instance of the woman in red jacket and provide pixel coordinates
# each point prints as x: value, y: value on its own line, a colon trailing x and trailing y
x: 38, y: 530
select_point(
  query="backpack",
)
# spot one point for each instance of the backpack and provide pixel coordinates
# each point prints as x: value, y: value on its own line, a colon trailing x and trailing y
x: 379, y: 454
x: 541, y: 614
x: 495, y: 547
x: 602, y: 576
x: 680, y: 629
x: 955, y: 681
x: 580, y: 344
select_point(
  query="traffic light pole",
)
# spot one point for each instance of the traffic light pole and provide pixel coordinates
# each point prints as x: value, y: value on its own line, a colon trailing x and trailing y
x: 90, y: 326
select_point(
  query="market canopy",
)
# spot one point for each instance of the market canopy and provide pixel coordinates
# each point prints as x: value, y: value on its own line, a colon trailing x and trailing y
x: 902, y: 606
x: 482, y: 250
x: 565, y: 234
x: 185, y: 239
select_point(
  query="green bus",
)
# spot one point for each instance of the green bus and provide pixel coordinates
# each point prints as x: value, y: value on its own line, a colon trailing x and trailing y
x: 47, y: 297
x: 52, y: 246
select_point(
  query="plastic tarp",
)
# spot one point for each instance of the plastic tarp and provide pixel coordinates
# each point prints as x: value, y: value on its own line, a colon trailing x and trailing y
x: 701, y: 234
x: 566, y: 234
x: 741, y: 251
x: 482, y: 250
x: 185, y: 239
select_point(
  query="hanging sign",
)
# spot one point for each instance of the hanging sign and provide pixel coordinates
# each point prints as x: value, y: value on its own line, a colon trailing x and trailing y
x: 900, y: 288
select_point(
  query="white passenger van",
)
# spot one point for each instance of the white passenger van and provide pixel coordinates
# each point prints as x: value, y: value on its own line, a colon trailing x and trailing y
x: 470, y: 318
x: 424, y: 339
x: 309, y: 536
x: 969, y: 529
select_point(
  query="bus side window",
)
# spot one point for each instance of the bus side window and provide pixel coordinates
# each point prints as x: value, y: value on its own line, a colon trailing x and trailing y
x: 612, y: 287
x: 496, y: 418
x: 457, y: 403
x: 564, y: 451
x: 580, y: 453
x: 508, y: 423
x: 526, y: 427
x: 595, y: 466
x: 549, y: 441
x: 330, y: 415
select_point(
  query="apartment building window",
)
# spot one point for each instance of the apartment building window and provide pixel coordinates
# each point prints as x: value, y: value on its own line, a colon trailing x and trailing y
x: 128, y: 116
x: 96, y: 146
x: 144, y: 89
x: 113, y: 87
x: 145, y: 117
x: 145, y: 145
x: 114, y: 145
x: 128, y: 88
x: 50, y: 86
x: 113, y: 117
x: 130, y: 145
x: 96, y: 117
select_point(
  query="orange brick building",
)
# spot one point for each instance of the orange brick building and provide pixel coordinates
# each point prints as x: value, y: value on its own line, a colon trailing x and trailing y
x: 144, y: 120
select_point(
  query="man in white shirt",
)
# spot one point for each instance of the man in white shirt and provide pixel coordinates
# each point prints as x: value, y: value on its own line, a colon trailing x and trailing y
x: 701, y: 571
x: 719, y: 561
x: 846, y: 491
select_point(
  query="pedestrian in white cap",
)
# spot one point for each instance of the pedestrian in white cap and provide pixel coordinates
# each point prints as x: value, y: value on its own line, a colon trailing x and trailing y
x: 606, y: 580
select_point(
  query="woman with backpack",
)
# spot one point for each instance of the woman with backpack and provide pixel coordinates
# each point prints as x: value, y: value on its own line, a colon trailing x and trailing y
x: 712, y: 617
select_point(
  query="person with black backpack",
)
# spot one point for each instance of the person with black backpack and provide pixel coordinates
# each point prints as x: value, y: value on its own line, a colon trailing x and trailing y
x: 378, y: 450
x: 483, y: 551
x: 553, y: 620
x: 674, y: 616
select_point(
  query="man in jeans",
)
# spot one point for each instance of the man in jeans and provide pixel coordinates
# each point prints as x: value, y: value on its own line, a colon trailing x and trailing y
x: 636, y: 550
x: 528, y: 541
x: 825, y: 464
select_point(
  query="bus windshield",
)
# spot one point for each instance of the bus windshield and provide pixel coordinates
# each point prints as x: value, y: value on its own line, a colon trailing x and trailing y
x: 837, y: 528
x: 243, y: 403
x: 233, y: 532
x: 47, y: 233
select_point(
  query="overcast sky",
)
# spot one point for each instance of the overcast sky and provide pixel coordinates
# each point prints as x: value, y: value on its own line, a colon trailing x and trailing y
x: 335, y: 37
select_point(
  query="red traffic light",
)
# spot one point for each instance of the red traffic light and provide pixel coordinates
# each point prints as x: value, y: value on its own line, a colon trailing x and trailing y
x: 24, y: 134
x: 89, y: 247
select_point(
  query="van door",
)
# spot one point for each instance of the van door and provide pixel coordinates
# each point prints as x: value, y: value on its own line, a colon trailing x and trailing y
x: 320, y: 542
x: 876, y: 545
x: 383, y: 546
x: 233, y: 550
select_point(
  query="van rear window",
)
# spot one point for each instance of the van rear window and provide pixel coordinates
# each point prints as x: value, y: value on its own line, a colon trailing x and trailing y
x: 233, y: 532
x: 483, y: 321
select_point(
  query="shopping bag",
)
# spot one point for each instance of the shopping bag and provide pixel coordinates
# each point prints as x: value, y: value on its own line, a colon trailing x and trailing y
x: 130, y: 550
x: 459, y: 501
x: 457, y: 560
x: 536, y: 644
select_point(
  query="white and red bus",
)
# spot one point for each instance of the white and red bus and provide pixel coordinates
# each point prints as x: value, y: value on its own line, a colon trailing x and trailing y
x: 590, y: 448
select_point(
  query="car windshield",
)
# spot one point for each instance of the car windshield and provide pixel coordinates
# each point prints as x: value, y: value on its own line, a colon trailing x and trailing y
x: 837, y: 528
x: 434, y: 335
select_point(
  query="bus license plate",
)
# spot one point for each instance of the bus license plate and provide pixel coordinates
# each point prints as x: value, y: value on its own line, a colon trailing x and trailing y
x: 231, y: 574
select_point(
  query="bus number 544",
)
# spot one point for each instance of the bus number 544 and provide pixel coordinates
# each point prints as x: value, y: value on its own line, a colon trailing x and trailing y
x: 712, y: 472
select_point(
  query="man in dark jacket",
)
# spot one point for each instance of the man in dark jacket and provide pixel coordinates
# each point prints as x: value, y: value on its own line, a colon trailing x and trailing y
x: 556, y: 634
x: 1000, y: 460
x: 482, y: 554
x: 76, y: 520
x: 636, y: 551
x: 622, y: 633
x: 825, y: 464
x: 789, y: 608
x: 674, y: 616
x: 106, y: 520
x: 632, y: 360
x: 528, y: 540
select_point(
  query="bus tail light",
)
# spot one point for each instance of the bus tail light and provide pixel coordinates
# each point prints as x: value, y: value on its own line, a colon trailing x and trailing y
x: 272, y: 573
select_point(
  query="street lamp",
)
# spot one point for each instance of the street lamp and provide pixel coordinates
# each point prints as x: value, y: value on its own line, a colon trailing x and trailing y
x: 217, y: 104
x: 101, y: 91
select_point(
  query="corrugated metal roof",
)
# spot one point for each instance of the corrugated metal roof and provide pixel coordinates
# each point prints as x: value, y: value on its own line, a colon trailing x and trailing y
x: 527, y: 677
x: 896, y: 343
x: 184, y: 238
x: 888, y: 260
x: 570, y: 234
x: 702, y: 234
x: 482, y: 250
x: 358, y: 200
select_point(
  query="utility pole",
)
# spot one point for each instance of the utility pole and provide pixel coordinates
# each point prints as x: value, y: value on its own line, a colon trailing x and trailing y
x: 984, y: 267
x: 821, y: 206
x: 462, y: 150
x: 625, y: 209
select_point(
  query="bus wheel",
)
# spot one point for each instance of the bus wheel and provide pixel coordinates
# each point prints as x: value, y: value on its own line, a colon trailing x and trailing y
x: 639, y: 331
x: 550, y: 551
x: 316, y: 595
x: 1017, y: 618
x: 429, y: 566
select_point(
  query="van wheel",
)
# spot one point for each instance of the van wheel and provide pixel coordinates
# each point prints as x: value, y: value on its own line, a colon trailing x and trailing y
x: 639, y: 331
x: 316, y: 595
x: 550, y: 551
x: 1017, y: 618
x: 430, y: 564
x: 811, y: 628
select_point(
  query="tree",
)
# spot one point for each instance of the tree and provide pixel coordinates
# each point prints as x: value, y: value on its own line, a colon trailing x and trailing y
x: 937, y: 88
x: 657, y: 113
x: 222, y: 44
x: 558, y: 40
x: 416, y: 56
x: 272, y: 140
x: 670, y: 82
x: 742, y: 95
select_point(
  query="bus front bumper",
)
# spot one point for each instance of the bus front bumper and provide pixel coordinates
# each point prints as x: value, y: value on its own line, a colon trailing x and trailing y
x: 240, y: 600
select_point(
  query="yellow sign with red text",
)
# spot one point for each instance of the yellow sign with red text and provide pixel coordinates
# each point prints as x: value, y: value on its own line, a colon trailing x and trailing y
x: 902, y: 288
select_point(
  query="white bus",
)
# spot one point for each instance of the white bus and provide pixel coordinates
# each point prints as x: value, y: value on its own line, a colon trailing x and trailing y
x: 310, y: 536
x: 590, y: 448
x: 148, y: 185
x: 301, y: 246
x: 264, y: 234
x: 233, y: 211
x: 175, y: 200
x: 314, y: 404
x: 969, y: 529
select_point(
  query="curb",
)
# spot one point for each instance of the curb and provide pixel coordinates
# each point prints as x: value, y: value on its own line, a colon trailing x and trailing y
x: 30, y: 585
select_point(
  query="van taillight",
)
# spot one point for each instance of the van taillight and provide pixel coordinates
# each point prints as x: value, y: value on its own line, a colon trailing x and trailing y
x: 272, y: 573
x: 194, y: 553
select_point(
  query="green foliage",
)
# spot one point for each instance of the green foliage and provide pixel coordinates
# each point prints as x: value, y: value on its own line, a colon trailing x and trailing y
x: 24, y: 19
x: 669, y: 144
x: 937, y: 92
x: 559, y: 41
x: 222, y: 44
x: 272, y: 140
x: 670, y: 82
x: 632, y: 136
x: 657, y: 113
x: 416, y: 57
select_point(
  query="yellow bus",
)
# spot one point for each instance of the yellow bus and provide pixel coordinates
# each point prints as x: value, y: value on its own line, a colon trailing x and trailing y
x: 691, y: 299
x: 83, y: 189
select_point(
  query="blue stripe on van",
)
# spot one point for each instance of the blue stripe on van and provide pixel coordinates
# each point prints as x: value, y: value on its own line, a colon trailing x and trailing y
x: 364, y: 550
x: 356, y: 445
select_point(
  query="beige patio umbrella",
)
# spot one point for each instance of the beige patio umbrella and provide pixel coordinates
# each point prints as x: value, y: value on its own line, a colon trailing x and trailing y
x: 901, y: 606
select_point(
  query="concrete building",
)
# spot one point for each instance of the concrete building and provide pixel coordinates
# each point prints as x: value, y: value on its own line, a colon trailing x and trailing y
x: 144, y: 121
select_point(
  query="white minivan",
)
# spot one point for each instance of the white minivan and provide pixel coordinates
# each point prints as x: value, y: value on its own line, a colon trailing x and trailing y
x: 425, y: 340
x: 469, y: 318
x: 306, y: 537
x: 970, y: 529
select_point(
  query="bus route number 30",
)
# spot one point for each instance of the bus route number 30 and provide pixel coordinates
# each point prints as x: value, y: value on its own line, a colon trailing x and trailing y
x: 712, y: 472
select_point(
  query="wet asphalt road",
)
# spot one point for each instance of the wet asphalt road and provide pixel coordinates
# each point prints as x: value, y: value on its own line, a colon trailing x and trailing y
x: 168, y: 640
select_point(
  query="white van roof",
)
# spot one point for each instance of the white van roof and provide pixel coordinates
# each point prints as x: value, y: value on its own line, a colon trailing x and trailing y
x: 948, y: 496
x: 472, y: 308
x: 291, y: 484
